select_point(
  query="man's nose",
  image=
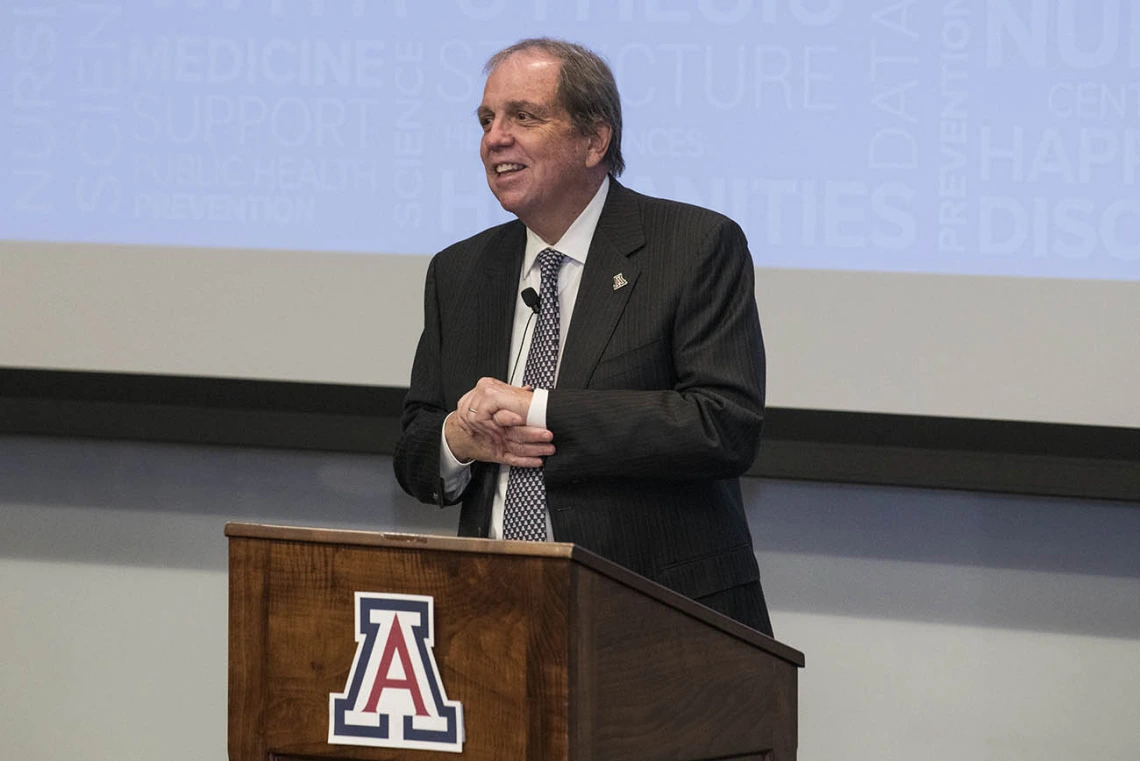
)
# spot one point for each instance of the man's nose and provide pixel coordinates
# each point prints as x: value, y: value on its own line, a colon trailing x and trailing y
x: 498, y: 133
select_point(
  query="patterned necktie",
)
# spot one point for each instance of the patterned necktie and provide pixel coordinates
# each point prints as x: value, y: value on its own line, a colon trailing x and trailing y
x: 524, y: 511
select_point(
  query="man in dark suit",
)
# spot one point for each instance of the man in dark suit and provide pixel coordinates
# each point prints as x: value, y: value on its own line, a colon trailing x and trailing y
x: 632, y: 444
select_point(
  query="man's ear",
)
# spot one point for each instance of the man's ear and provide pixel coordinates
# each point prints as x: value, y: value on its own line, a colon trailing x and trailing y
x: 599, y: 143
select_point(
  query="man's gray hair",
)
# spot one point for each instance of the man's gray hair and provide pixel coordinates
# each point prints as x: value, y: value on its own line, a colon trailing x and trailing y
x: 586, y: 89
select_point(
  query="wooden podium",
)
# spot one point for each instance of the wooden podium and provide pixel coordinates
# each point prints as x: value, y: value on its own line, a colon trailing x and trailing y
x: 554, y: 652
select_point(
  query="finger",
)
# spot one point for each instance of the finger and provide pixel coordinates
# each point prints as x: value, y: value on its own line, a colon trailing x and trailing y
x: 528, y: 434
x: 530, y: 450
x: 516, y: 400
x: 467, y: 408
x: 465, y: 423
x: 487, y: 428
x: 494, y: 438
x: 500, y: 396
x: 472, y: 411
x: 508, y: 418
x: 519, y: 461
x: 480, y: 402
x: 487, y: 434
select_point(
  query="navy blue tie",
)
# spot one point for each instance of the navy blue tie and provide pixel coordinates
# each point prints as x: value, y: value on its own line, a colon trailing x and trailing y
x: 524, y: 511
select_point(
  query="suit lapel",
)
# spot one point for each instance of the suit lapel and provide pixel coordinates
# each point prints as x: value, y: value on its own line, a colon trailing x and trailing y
x: 599, y: 304
x: 495, y: 301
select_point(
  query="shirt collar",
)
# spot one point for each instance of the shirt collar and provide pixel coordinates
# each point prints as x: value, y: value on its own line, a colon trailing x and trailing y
x: 575, y: 242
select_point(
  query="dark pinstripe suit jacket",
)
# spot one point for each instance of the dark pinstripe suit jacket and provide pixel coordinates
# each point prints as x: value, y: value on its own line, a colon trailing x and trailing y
x: 660, y: 395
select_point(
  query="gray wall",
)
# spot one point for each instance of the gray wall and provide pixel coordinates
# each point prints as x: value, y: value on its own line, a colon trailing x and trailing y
x: 936, y: 625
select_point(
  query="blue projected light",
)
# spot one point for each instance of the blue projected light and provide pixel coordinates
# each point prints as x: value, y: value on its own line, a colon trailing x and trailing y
x: 957, y: 136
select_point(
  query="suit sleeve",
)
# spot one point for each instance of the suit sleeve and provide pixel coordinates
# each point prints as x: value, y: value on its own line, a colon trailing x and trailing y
x: 708, y: 424
x: 416, y: 459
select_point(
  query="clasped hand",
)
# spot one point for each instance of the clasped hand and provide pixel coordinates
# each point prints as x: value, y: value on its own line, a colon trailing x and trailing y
x: 489, y: 424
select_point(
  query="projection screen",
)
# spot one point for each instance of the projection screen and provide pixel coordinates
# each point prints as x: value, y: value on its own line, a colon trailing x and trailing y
x: 939, y: 196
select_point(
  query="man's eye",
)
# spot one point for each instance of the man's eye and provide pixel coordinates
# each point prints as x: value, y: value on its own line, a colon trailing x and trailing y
x: 523, y: 116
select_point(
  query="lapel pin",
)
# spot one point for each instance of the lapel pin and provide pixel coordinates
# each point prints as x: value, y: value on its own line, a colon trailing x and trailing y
x: 619, y: 281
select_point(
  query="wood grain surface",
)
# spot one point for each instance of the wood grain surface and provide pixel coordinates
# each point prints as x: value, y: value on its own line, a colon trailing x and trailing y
x: 551, y: 658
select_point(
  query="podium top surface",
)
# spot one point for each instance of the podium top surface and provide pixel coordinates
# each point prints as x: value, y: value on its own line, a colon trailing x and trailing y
x: 560, y: 550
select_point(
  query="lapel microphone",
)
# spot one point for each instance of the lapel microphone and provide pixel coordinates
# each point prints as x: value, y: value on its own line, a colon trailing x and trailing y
x: 531, y: 298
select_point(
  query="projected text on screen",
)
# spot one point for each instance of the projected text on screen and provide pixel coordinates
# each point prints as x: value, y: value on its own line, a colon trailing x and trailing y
x: 952, y: 136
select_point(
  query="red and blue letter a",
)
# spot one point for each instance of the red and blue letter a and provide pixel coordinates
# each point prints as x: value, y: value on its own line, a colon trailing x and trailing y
x: 394, y: 697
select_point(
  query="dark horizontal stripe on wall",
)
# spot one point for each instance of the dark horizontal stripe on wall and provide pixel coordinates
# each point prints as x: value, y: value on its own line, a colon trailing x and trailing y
x: 194, y: 410
x: 907, y: 450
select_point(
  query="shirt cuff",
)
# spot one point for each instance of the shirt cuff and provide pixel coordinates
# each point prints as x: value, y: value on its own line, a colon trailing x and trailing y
x: 536, y: 415
x: 455, y: 474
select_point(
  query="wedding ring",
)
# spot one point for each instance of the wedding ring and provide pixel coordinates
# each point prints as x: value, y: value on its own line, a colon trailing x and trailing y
x: 472, y: 410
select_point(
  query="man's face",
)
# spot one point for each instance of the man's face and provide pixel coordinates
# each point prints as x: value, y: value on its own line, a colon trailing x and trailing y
x: 538, y: 165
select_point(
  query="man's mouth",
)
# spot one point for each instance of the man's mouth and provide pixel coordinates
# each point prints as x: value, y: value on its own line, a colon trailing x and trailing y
x: 507, y: 168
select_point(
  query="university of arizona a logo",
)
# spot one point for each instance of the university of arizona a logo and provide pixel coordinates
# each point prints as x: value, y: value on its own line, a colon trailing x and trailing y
x: 394, y: 697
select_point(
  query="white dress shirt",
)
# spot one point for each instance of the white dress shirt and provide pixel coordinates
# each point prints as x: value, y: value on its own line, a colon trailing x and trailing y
x: 575, y: 245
